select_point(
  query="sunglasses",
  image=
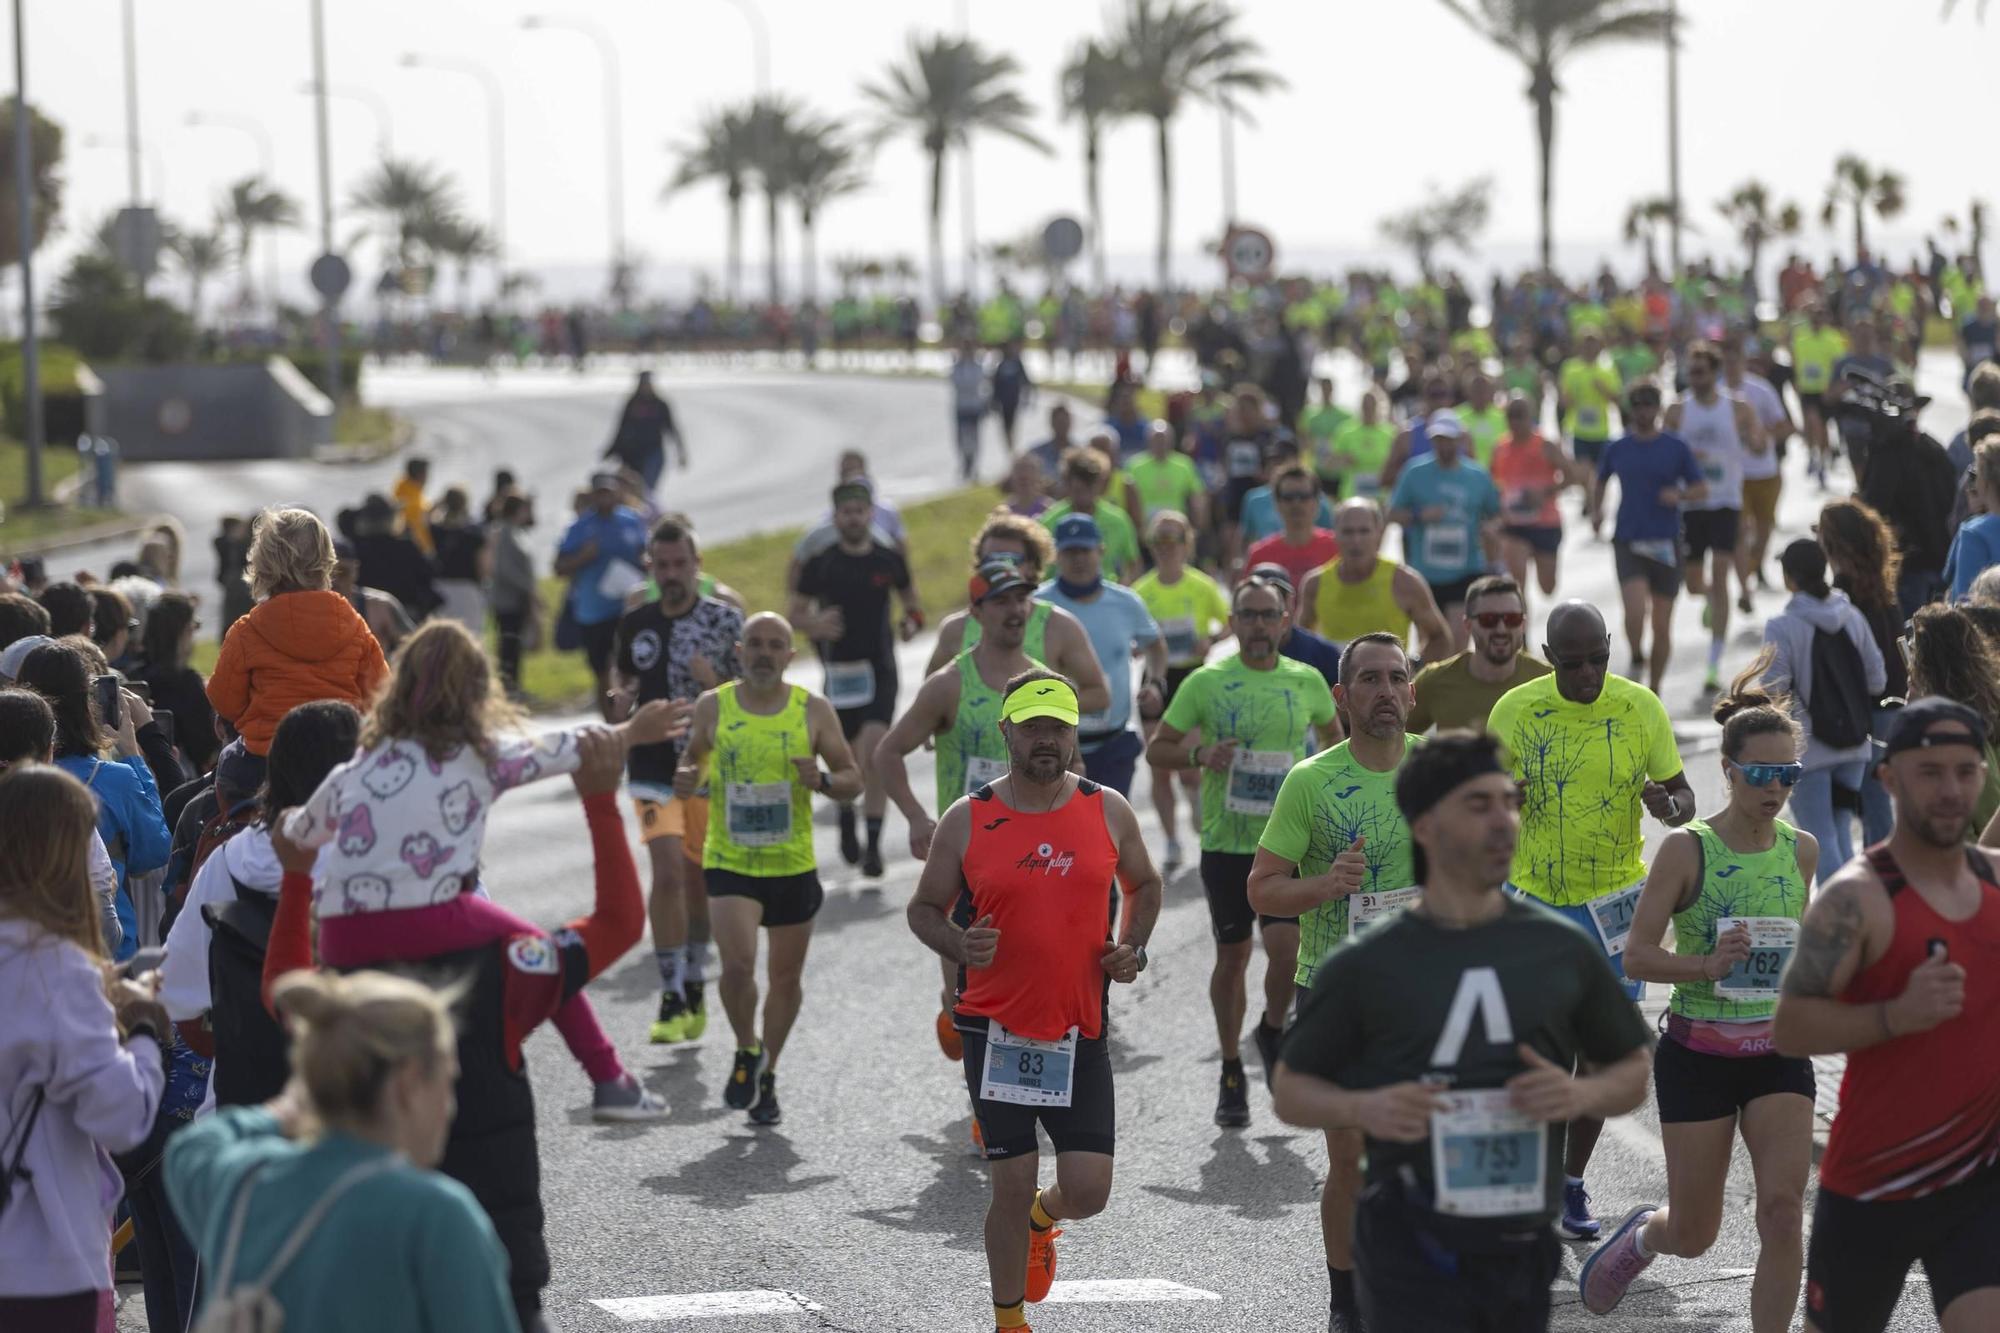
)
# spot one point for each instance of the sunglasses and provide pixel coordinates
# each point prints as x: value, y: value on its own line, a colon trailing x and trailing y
x: 1762, y: 775
x: 1495, y: 619
x: 1645, y: 400
x: 1578, y: 663
x: 1258, y: 614
x: 1295, y: 497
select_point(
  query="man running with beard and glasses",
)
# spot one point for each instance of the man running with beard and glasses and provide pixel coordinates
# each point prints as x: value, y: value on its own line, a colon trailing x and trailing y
x: 1030, y: 859
x: 1336, y: 851
x: 757, y: 744
x: 1721, y: 430
x: 1446, y: 1036
x: 1657, y: 474
x: 1257, y: 714
x: 1301, y: 645
x: 1053, y: 636
x: 1120, y: 628
x: 958, y: 707
x: 1592, y: 751
x: 1459, y: 692
x: 1362, y: 591
x: 842, y: 603
x: 674, y: 648
x: 1898, y: 965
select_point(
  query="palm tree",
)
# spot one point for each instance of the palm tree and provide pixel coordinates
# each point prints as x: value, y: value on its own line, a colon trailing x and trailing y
x: 1542, y: 35
x: 946, y: 89
x: 251, y: 206
x: 1858, y: 186
x: 1644, y: 221
x: 45, y: 184
x: 774, y: 124
x: 1093, y: 93
x: 721, y: 151
x: 1756, y: 220
x: 825, y: 164
x: 1173, y: 50
x: 461, y: 241
x: 1454, y: 219
x: 404, y: 196
x: 200, y: 255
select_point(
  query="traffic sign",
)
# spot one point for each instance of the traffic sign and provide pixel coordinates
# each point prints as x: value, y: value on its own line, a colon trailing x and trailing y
x: 330, y: 276
x: 1248, y: 253
x: 1062, y: 240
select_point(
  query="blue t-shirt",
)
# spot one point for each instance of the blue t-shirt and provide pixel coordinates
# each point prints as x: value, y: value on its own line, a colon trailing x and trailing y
x: 620, y: 536
x: 1644, y: 468
x: 1131, y: 435
x: 1448, y: 550
x: 1116, y: 621
x: 1260, y: 514
x: 1320, y: 653
x: 1975, y: 547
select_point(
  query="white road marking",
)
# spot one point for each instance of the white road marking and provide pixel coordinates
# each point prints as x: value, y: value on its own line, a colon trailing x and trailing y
x: 704, y: 1305
x: 1124, y: 1289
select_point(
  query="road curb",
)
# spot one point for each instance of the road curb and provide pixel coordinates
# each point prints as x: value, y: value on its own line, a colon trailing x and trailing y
x: 110, y: 530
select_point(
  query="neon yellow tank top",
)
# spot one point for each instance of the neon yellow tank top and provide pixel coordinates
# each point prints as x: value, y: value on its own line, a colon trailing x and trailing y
x: 1034, y: 640
x: 1349, y: 610
x: 760, y: 814
x: 971, y: 752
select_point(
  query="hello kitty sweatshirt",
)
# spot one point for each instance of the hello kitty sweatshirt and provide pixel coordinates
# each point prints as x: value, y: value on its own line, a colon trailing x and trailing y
x: 400, y: 829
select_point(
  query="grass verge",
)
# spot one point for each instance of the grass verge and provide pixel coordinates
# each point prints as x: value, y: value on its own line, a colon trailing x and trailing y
x: 18, y: 525
x: 357, y: 423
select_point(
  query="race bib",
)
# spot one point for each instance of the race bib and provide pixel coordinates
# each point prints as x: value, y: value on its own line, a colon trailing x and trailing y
x: 1244, y: 458
x: 1713, y: 472
x: 1254, y: 779
x: 1489, y: 1159
x: 850, y: 684
x: 1368, y: 485
x: 1612, y: 915
x: 1772, y: 940
x: 760, y: 813
x: 1446, y: 545
x: 1813, y: 379
x: 1025, y: 1071
x: 1179, y: 633
x: 982, y: 772
x: 1526, y: 502
x: 1365, y: 910
x: 1665, y: 551
x: 1589, y: 420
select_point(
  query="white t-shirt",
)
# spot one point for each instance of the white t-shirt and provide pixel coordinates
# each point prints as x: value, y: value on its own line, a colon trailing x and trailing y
x: 1770, y: 413
x: 1710, y: 430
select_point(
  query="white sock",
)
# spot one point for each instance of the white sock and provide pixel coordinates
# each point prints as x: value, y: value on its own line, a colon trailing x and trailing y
x: 1639, y: 1240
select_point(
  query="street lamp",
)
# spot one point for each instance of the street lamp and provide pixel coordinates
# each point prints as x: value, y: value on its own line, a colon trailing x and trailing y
x: 760, y: 43
x: 377, y: 105
x: 614, y: 119
x: 266, y: 171
x: 155, y: 165
x: 496, y: 133
x: 24, y: 198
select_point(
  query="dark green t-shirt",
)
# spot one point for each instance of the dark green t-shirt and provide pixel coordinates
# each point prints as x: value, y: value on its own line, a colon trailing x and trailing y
x: 1412, y: 999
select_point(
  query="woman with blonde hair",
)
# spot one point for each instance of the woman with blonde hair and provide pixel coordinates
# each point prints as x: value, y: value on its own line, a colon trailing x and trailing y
x: 81, y: 1071
x: 282, y: 1198
x: 1861, y: 555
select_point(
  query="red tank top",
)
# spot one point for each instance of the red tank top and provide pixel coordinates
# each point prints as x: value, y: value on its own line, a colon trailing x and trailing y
x: 1046, y: 879
x: 1922, y: 1112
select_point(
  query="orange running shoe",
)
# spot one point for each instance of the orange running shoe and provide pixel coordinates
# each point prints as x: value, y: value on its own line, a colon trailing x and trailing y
x: 1041, y: 1262
x: 978, y: 1139
x: 949, y: 1040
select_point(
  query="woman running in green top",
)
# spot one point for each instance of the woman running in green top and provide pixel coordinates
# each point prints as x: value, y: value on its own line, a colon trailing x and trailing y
x: 1734, y: 886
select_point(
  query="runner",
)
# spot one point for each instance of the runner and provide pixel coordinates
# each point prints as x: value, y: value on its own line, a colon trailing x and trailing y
x: 1531, y: 472
x: 1460, y: 691
x: 1257, y: 713
x: 1484, y: 419
x: 1189, y: 609
x: 674, y: 648
x: 1814, y: 350
x: 1895, y: 967
x: 1591, y: 750
x: 1586, y: 386
x: 1120, y: 629
x: 1085, y: 475
x: 1721, y: 430
x: 1032, y: 857
x: 1361, y: 450
x: 1319, y: 427
x: 1300, y: 545
x: 1656, y: 473
x: 1301, y: 645
x: 842, y: 603
x: 757, y: 744
x: 1164, y: 478
x: 1448, y: 507
x: 1447, y: 1037
x: 1053, y: 637
x: 1363, y: 591
x: 1734, y: 887
x: 1337, y: 846
x: 1762, y: 484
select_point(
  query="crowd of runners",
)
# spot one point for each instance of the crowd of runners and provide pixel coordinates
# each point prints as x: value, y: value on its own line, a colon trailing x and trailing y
x: 1301, y: 613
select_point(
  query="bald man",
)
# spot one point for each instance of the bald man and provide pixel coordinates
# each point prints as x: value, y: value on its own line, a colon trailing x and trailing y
x: 758, y: 743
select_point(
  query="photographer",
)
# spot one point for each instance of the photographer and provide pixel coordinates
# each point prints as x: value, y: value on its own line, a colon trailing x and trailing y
x: 1906, y: 477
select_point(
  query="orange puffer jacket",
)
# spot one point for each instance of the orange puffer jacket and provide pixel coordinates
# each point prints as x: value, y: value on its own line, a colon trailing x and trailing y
x: 292, y: 649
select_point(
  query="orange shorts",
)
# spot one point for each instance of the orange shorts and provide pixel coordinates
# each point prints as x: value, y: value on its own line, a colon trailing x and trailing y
x: 1760, y: 500
x: 674, y: 818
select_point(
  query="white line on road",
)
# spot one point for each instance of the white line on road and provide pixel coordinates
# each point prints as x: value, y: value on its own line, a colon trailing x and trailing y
x: 1124, y: 1290
x: 704, y: 1305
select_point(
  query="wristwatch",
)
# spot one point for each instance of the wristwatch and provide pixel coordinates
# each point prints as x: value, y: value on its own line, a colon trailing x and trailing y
x: 1140, y: 950
x: 825, y: 782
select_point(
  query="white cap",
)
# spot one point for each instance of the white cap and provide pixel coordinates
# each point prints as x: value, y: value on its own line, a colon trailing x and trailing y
x: 1445, y: 423
x: 17, y: 653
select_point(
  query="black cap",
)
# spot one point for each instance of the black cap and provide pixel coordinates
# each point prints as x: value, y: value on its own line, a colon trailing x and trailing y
x: 1914, y: 723
x: 995, y: 576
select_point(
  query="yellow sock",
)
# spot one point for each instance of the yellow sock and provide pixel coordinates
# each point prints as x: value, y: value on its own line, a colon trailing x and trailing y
x: 1038, y: 1216
x: 1009, y: 1316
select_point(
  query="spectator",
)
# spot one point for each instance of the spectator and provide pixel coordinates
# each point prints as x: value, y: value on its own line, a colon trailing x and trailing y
x: 21, y: 617
x: 1976, y: 546
x: 83, y: 1079
x: 385, y: 616
x: 640, y: 442
x: 160, y: 554
x: 1904, y: 475
x: 602, y: 555
x: 28, y: 736
x: 388, y: 560
x: 1985, y: 590
x: 164, y: 652
x: 516, y: 596
x: 302, y: 642
x: 70, y: 608
x: 1861, y: 554
x: 16, y: 653
x: 1949, y: 656
x: 1983, y: 389
x: 112, y: 626
x: 232, y: 560
x: 374, y: 1063
x: 968, y: 406
x: 414, y: 506
x: 464, y: 561
x: 504, y: 485
x: 1011, y: 389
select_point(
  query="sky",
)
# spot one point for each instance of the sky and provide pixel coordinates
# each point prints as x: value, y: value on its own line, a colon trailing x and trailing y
x: 1385, y: 99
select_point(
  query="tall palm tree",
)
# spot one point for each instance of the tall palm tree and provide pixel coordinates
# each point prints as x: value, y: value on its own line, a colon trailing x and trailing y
x: 774, y: 124
x: 1174, y: 50
x: 254, y: 205
x: 1757, y: 220
x: 1093, y: 93
x: 404, y: 196
x: 721, y: 151
x: 1644, y: 221
x: 45, y: 180
x: 464, y: 243
x: 1542, y: 35
x: 1443, y: 219
x: 945, y: 90
x: 825, y: 164
x: 1861, y: 187
x: 200, y: 255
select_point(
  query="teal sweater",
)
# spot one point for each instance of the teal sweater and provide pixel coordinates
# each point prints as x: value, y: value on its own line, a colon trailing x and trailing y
x: 406, y: 1251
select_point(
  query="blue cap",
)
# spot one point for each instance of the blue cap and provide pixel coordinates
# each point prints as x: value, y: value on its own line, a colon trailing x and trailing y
x: 1078, y: 532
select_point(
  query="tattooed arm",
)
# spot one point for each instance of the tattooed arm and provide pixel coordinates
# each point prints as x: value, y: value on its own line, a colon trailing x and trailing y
x: 1847, y: 927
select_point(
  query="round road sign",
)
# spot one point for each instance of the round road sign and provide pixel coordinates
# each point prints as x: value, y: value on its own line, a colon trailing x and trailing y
x: 1062, y: 240
x: 1248, y: 253
x: 330, y: 276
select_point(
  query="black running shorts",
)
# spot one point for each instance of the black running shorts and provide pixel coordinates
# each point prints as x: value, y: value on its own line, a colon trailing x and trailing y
x: 1695, y: 1085
x: 1088, y: 1124
x: 1409, y: 1282
x: 1860, y: 1253
x: 1225, y: 882
x: 788, y: 900
x: 1705, y: 530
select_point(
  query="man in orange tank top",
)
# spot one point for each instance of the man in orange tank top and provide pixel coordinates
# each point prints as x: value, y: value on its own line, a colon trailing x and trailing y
x: 1898, y: 964
x: 1036, y: 853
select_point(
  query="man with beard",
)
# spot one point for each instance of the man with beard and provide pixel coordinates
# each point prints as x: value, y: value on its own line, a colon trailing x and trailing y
x: 1036, y: 852
x: 1256, y: 713
x: 1898, y: 964
x: 758, y: 744
x: 1335, y: 853
x: 1460, y: 691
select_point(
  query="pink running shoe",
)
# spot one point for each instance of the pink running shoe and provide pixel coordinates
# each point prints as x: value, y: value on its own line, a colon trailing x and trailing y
x: 1615, y: 1265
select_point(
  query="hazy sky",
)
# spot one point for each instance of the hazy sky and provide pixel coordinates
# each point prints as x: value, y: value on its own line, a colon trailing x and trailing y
x: 1384, y: 96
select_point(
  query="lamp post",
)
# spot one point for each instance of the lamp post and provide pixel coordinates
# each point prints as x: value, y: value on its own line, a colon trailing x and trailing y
x: 329, y: 303
x: 760, y: 43
x: 614, y: 120
x: 131, y: 107
x: 376, y: 104
x: 1674, y: 132
x: 266, y: 171
x: 24, y: 197
x: 496, y: 134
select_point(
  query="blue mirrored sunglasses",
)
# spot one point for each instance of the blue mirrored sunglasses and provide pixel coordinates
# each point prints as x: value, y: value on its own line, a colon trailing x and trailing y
x: 1762, y: 775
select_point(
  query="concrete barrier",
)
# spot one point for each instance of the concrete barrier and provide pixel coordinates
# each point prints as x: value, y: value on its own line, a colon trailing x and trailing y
x: 251, y: 410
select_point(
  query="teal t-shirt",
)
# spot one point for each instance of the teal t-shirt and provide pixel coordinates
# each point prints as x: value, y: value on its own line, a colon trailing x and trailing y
x: 1270, y: 714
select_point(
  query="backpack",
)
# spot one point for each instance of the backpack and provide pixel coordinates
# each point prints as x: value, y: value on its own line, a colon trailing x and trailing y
x: 11, y: 1170
x: 1840, y: 708
x: 252, y: 1056
x: 250, y: 1307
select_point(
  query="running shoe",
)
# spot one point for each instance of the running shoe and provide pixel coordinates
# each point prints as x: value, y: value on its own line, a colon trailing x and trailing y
x: 1613, y: 1266
x: 1744, y: 604
x: 671, y: 1023
x: 871, y: 863
x: 1173, y: 861
x: 1712, y: 682
x: 623, y: 1100
x: 1637, y: 670
x: 1041, y: 1262
x: 850, y: 841
x: 1232, y: 1102
x: 1340, y: 1321
x: 765, y: 1111
x: 744, y: 1079
x: 697, y: 1006
x: 949, y: 1040
x: 978, y: 1137
x: 1577, y: 1222
x: 1268, y: 1039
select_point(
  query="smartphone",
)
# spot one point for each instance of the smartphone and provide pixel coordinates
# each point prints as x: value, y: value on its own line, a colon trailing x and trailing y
x: 110, y: 703
x: 165, y: 717
x: 140, y: 688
